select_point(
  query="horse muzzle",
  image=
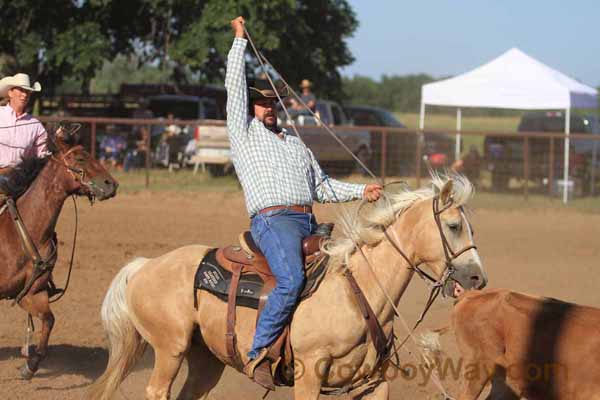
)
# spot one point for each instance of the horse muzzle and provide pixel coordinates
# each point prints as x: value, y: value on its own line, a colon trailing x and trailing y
x: 102, y: 188
x: 469, y: 277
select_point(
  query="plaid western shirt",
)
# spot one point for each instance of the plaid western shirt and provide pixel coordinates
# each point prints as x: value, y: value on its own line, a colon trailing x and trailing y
x: 273, y: 170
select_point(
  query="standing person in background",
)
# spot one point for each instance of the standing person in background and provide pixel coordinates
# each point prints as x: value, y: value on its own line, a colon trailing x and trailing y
x: 21, y: 135
x: 281, y: 178
x: 307, y: 96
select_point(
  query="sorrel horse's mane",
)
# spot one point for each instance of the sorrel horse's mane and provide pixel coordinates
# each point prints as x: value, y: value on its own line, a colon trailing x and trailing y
x: 21, y: 177
x: 367, y: 227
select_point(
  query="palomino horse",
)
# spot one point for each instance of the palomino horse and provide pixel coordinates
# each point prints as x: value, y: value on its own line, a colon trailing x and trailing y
x: 68, y: 170
x: 528, y: 347
x: 150, y: 300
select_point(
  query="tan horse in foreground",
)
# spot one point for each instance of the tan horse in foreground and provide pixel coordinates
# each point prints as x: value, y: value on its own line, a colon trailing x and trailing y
x: 529, y: 347
x: 150, y: 300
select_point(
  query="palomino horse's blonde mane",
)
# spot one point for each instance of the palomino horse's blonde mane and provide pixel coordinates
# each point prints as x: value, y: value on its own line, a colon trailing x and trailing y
x: 367, y: 227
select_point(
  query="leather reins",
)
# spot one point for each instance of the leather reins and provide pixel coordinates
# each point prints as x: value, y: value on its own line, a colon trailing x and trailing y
x: 46, y: 264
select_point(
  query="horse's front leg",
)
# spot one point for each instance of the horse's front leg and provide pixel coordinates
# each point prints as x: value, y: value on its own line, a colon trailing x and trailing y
x: 38, y: 306
x: 309, y: 374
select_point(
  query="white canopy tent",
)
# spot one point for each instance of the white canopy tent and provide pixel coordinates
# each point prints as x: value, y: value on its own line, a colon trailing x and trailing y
x: 514, y: 80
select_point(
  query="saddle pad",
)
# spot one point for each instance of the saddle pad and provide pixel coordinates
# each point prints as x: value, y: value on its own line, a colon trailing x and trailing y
x: 215, y: 279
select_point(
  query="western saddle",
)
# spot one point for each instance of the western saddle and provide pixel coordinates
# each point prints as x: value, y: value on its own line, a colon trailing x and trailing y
x: 246, y: 261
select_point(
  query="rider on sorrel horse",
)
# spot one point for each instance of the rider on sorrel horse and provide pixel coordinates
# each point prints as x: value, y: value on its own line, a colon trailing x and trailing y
x: 21, y: 135
x: 28, y: 245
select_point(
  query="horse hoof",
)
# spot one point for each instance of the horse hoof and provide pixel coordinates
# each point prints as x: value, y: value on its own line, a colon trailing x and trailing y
x: 26, y: 373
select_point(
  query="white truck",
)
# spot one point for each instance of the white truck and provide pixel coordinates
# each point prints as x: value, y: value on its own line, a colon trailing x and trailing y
x: 213, y: 152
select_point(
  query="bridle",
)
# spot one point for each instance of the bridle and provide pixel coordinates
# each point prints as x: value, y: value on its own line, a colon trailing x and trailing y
x: 78, y: 174
x: 449, y: 254
x: 437, y: 285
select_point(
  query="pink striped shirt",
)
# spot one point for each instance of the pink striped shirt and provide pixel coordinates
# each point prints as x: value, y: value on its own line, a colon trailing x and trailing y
x: 21, y: 137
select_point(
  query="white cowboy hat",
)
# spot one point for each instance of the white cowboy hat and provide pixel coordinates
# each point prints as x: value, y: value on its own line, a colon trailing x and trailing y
x: 19, y: 80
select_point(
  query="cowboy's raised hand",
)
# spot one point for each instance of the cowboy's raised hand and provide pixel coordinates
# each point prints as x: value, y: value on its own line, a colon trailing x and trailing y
x: 372, y: 192
x: 237, y: 25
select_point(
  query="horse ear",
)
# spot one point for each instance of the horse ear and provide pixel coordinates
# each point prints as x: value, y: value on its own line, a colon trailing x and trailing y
x: 67, y: 133
x: 446, y: 192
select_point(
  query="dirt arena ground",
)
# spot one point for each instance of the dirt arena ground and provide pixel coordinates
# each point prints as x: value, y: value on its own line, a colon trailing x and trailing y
x: 550, y: 252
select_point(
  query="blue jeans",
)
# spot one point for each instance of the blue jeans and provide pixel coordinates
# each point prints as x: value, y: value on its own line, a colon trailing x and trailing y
x: 279, y: 236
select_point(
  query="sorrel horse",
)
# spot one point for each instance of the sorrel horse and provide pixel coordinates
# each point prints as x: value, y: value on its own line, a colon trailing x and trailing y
x: 150, y: 300
x: 68, y: 170
x: 527, y: 346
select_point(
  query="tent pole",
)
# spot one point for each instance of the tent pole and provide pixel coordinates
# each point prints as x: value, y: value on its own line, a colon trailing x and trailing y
x: 594, y: 156
x: 458, y: 138
x: 418, y: 143
x: 566, y: 166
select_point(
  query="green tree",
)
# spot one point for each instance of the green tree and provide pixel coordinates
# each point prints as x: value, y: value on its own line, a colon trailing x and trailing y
x: 301, y: 38
x: 124, y: 69
x: 399, y: 93
x: 60, y: 39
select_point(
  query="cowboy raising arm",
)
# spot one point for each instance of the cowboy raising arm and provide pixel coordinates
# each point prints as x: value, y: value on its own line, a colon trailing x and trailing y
x: 261, y: 150
x: 280, y: 178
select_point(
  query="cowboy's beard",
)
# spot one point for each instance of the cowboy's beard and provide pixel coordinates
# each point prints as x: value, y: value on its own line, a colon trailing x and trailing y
x: 270, y: 121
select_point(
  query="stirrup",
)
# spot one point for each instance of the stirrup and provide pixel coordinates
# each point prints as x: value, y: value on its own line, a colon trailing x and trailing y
x: 259, y: 370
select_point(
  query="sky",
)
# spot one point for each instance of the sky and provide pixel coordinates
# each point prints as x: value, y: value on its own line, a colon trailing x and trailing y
x: 450, y: 37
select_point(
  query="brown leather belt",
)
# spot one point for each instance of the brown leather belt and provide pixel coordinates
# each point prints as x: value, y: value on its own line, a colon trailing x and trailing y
x: 5, y: 170
x: 300, y: 209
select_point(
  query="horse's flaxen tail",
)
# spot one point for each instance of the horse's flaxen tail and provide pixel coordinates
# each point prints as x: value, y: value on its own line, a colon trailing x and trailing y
x: 126, y: 345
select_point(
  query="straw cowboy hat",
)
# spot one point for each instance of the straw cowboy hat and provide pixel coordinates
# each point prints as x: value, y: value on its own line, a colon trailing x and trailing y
x: 305, y: 84
x: 19, y: 80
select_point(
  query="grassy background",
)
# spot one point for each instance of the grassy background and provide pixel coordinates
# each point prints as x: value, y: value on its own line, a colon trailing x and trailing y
x: 469, y: 123
x: 185, y: 181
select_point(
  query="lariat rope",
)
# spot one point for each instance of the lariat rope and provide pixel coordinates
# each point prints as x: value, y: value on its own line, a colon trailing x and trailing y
x: 263, y: 62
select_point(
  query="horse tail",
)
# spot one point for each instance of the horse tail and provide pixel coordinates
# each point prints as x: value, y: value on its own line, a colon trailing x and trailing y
x: 126, y: 345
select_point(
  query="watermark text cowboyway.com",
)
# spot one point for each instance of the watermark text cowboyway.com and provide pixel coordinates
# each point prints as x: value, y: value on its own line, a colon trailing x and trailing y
x: 446, y: 369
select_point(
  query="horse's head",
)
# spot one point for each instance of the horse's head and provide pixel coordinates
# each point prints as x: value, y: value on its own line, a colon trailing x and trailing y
x: 444, y: 238
x: 83, y: 174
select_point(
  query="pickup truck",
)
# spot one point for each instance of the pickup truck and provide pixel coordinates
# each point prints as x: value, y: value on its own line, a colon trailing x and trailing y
x: 175, y: 148
x: 213, y: 151
x: 437, y: 149
x: 504, y: 155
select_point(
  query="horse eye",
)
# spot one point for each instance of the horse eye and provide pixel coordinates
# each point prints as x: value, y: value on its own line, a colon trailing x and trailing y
x: 454, y: 227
